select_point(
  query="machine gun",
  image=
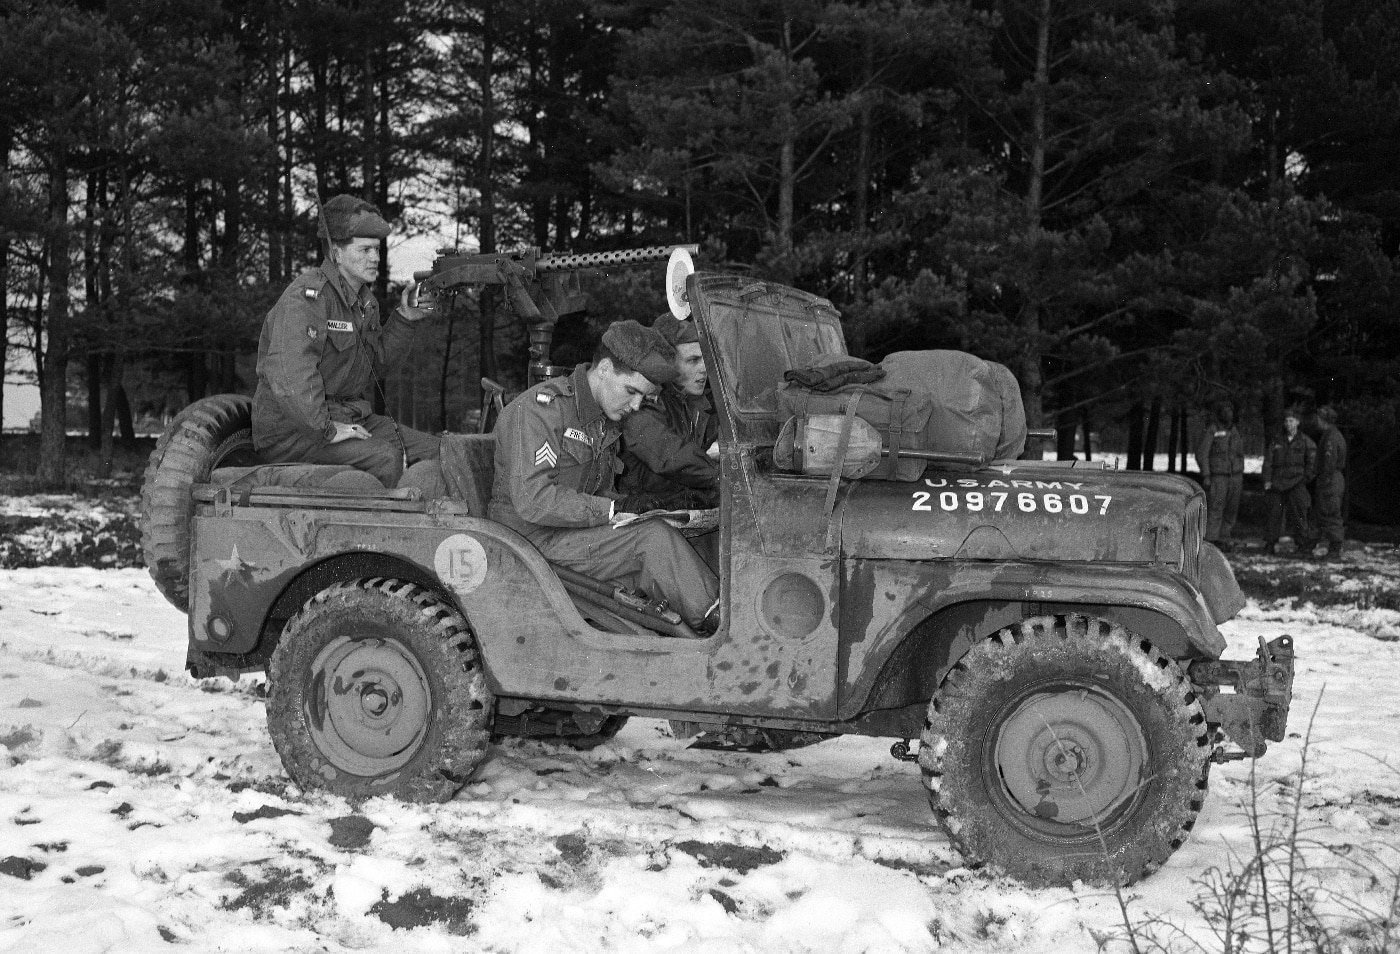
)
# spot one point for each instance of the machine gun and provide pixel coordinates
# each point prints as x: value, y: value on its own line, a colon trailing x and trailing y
x: 539, y: 287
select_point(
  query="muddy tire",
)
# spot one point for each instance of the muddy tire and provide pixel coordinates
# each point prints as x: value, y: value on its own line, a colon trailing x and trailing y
x: 377, y: 689
x: 1066, y: 748
x: 212, y: 432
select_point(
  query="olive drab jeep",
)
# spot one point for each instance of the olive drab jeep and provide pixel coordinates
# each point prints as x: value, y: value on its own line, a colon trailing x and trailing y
x: 1046, y: 631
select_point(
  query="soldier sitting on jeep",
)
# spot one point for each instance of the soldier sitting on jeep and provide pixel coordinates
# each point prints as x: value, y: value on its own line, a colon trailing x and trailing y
x: 323, y: 347
x: 556, y: 463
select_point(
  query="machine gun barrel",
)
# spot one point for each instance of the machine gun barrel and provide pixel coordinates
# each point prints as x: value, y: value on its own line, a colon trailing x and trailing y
x: 588, y: 261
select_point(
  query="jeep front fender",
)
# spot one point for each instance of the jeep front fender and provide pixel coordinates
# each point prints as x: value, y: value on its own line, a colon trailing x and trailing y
x: 886, y: 603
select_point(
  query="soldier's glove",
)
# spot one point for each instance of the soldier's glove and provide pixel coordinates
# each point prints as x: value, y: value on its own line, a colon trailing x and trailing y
x: 637, y: 503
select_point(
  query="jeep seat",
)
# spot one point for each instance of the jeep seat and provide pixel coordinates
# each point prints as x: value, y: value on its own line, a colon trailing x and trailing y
x: 305, y: 476
x: 469, y: 468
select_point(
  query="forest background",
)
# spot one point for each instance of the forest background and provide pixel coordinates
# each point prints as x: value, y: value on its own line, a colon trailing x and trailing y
x: 1140, y: 206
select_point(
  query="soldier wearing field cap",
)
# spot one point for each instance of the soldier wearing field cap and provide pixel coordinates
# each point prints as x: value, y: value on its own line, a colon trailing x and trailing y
x: 1290, y: 461
x: 556, y: 470
x: 324, y: 350
x: 1220, y: 456
x: 665, y: 444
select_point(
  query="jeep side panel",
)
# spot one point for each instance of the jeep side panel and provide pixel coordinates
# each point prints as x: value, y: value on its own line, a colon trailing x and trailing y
x: 533, y: 641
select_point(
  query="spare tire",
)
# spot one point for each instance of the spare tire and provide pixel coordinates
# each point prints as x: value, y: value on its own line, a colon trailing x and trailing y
x: 212, y: 432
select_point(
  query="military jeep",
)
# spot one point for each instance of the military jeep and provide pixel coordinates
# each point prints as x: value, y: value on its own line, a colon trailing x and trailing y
x: 1047, y: 631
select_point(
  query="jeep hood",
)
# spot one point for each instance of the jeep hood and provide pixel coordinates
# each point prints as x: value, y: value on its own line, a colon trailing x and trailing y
x: 1021, y: 510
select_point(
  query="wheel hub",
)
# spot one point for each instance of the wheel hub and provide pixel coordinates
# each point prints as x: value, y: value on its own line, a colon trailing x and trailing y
x: 1072, y: 757
x: 370, y: 705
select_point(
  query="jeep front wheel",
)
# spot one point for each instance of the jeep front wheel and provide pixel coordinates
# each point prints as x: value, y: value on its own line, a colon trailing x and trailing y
x: 376, y: 688
x: 1065, y: 748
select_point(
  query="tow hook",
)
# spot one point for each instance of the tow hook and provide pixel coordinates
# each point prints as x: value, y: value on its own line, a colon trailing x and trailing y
x: 1248, y: 699
x: 1230, y: 755
x: 900, y: 750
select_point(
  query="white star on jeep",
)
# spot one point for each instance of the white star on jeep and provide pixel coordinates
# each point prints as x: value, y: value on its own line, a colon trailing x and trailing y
x: 235, y: 563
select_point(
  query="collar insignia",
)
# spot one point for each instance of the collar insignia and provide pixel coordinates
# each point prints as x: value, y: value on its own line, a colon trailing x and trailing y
x: 310, y: 293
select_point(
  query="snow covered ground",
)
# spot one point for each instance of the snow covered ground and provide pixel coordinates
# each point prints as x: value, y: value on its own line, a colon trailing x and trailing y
x: 140, y: 808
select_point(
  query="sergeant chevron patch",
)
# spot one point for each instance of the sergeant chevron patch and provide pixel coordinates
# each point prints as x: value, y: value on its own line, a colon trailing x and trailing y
x: 546, y: 455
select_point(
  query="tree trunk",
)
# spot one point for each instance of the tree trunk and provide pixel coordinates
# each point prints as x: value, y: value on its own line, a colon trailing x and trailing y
x: 1088, y: 444
x: 114, y: 367
x: 1183, y: 432
x: 486, y: 188
x: 124, y: 421
x: 95, y: 306
x: 1065, y: 434
x: 1154, y: 425
x: 5, y: 140
x: 1135, y: 436
x: 860, y: 203
x: 1031, y: 317
x: 94, y: 393
x: 275, y: 216
x: 53, y: 398
x: 1173, y: 438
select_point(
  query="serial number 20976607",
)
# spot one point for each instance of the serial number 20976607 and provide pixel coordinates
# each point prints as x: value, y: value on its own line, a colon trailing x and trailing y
x: 998, y: 501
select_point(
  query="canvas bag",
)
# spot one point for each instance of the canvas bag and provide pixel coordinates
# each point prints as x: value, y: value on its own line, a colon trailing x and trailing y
x: 900, y: 414
x: 977, y: 406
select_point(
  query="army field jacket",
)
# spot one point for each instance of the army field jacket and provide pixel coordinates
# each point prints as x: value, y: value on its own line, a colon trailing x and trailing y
x: 1220, y: 452
x: 556, y: 458
x: 1290, y: 463
x: 320, y: 348
x: 664, y: 445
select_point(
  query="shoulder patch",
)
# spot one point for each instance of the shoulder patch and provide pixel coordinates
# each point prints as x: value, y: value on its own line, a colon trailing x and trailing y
x: 311, y: 294
x: 543, y: 397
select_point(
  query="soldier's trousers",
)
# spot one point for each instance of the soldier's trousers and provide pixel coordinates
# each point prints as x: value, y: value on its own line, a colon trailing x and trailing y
x: 380, y: 454
x: 1289, y: 509
x: 1330, y: 491
x: 1223, y: 506
x: 648, y: 555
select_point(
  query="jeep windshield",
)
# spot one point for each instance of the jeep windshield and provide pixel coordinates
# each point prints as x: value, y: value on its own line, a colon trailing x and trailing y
x: 754, y: 351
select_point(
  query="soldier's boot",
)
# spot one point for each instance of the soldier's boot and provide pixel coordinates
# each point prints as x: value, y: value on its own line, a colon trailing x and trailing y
x: 1334, y: 550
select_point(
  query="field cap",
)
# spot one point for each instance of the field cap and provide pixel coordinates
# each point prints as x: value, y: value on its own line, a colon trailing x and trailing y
x: 346, y: 217
x: 642, y: 349
x: 675, y: 331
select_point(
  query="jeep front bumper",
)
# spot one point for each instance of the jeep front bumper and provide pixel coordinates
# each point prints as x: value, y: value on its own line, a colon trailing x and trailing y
x: 1255, y: 709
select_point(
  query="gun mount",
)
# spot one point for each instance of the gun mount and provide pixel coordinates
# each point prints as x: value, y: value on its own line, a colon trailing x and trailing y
x: 539, y: 287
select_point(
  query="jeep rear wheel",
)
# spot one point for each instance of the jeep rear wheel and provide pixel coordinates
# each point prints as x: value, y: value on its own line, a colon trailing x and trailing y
x: 1065, y: 748
x: 377, y: 689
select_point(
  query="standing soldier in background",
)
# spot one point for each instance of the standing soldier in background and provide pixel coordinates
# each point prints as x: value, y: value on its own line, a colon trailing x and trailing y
x: 322, y: 350
x: 1331, y: 481
x: 1289, y: 463
x: 1220, y: 457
